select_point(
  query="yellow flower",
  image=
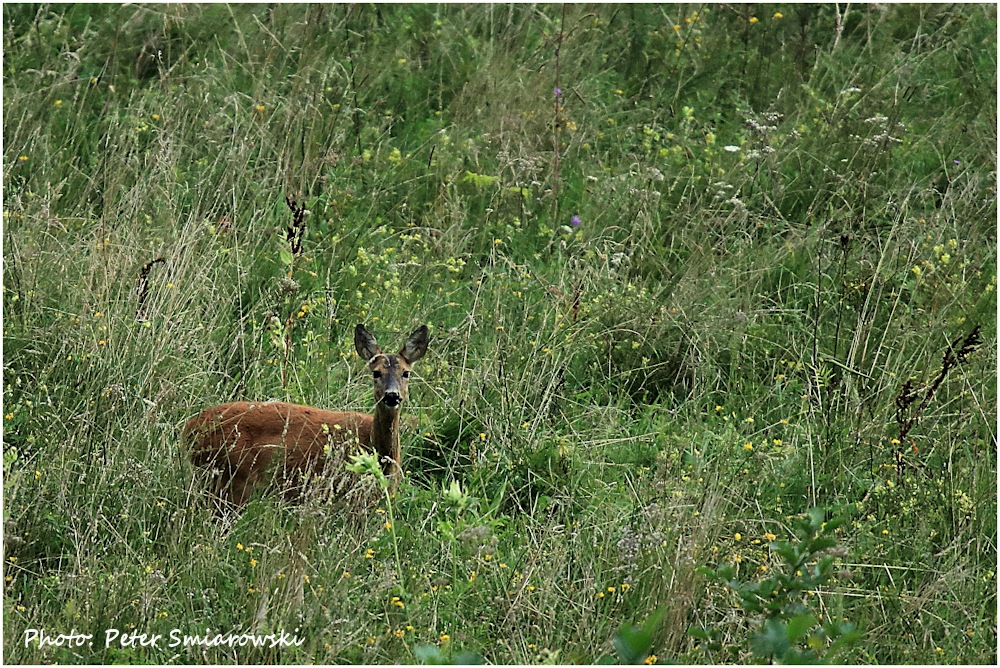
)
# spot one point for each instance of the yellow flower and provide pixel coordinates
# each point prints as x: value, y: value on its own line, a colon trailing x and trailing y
x: 155, y: 117
x: 345, y: 575
x: 769, y: 536
x: 754, y: 19
x: 253, y: 563
x: 444, y: 637
x: 748, y: 446
x: 651, y: 659
x: 737, y: 536
x: 23, y: 158
x: 369, y: 553
x: 387, y: 525
x: 58, y: 103
x: 260, y: 107
x: 779, y: 15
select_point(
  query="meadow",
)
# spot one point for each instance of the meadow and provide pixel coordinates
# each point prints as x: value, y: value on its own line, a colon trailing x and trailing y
x: 712, y: 300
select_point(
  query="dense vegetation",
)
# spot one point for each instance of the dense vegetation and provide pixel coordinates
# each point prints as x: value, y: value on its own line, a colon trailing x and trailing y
x: 690, y: 271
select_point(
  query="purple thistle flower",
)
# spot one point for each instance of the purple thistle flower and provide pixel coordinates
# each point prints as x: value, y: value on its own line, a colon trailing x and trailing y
x: 957, y: 162
x: 575, y: 221
x: 558, y: 91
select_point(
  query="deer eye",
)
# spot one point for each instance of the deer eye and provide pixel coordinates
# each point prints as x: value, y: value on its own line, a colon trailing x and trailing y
x: 406, y: 374
x: 377, y: 374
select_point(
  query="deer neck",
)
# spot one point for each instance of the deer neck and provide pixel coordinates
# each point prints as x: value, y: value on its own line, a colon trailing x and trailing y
x: 385, y: 438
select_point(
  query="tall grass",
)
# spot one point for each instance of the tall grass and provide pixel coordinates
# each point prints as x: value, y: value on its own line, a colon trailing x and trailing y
x: 733, y: 301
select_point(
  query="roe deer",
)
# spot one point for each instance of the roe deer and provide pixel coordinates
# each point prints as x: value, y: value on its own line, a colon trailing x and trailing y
x: 238, y: 441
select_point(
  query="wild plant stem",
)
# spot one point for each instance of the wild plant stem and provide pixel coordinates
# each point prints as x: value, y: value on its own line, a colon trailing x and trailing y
x: 392, y: 529
x: 556, y: 120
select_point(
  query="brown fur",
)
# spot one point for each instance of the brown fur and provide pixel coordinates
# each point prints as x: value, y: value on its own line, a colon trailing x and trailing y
x: 241, y: 442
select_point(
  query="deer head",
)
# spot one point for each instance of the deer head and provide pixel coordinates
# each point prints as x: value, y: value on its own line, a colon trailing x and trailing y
x: 391, y: 373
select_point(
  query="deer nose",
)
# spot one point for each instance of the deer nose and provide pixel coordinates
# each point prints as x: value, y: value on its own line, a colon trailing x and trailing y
x: 392, y: 399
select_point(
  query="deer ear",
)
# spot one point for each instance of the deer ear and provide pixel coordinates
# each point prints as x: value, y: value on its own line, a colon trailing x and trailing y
x: 365, y: 343
x: 416, y: 345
